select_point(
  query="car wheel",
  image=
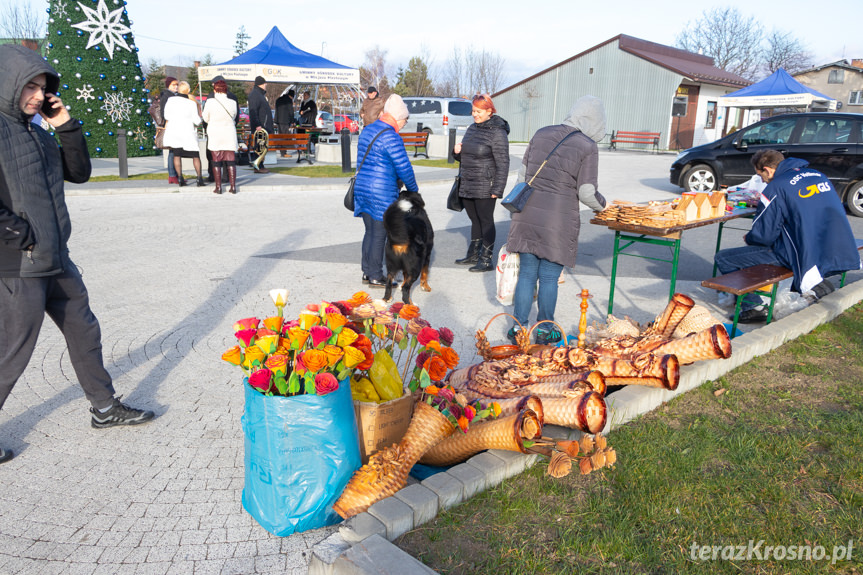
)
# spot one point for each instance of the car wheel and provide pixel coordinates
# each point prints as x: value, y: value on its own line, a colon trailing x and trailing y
x: 700, y: 178
x: 854, y: 199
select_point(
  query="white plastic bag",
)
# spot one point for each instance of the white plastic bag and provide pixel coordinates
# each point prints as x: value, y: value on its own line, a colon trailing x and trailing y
x: 506, y: 275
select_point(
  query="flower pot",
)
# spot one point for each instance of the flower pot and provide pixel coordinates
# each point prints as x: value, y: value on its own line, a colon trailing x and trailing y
x: 300, y: 452
x: 387, y: 471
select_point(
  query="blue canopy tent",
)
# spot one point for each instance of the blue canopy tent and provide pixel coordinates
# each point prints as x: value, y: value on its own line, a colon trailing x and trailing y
x: 779, y: 90
x: 278, y: 60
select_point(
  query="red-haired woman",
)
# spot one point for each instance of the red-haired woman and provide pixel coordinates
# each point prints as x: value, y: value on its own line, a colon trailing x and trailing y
x: 484, y: 157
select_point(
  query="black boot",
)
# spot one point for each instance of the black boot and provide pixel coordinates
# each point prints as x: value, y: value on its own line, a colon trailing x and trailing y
x: 232, y: 178
x: 217, y: 179
x: 472, y: 253
x: 483, y: 263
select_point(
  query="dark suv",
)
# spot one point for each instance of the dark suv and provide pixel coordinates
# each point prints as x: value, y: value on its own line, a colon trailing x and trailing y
x: 832, y: 144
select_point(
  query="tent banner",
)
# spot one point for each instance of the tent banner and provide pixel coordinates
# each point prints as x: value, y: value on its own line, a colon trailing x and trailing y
x: 767, y: 101
x: 282, y: 74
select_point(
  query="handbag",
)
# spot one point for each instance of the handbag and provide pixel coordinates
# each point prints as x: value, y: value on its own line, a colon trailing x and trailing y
x: 349, y: 197
x: 506, y: 275
x: 518, y: 196
x: 453, y: 200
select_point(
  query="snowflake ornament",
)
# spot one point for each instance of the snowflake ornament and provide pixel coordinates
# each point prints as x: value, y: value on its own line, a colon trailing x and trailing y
x: 104, y: 27
x: 59, y: 10
x: 85, y: 93
x: 116, y: 106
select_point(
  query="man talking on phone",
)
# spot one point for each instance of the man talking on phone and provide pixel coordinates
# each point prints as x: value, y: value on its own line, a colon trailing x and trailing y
x: 37, y: 276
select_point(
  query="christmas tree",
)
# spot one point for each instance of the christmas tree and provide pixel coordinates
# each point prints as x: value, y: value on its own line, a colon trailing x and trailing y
x: 90, y: 44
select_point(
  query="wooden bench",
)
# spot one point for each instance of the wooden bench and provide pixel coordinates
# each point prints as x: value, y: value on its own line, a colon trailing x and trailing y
x: 622, y: 137
x: 859, y: 248
x: 748, y: 280
x: 417, y: 140
x: 285, y: 143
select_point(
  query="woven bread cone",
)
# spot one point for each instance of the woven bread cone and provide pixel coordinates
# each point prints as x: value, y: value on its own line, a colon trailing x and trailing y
x: 549, y: 385
x: 503, y: 433
x: 457, y: 377
x: 712, y: 343
x: 586, y: 412
x: 699, y: 318
x: 387, y: 471
x: 517, y: 405
x: 645, y: 381
x: 661, y: 370
x: 674, y: 313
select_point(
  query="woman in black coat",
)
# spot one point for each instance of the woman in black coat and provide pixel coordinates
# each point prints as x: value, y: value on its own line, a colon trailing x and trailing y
x: 484, y: 157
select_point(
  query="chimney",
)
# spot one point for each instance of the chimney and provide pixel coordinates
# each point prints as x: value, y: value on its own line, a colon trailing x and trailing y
x: 857, y: 63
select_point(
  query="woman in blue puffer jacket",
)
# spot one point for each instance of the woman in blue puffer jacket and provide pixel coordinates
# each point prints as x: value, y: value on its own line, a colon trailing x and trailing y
x: 385, y: 166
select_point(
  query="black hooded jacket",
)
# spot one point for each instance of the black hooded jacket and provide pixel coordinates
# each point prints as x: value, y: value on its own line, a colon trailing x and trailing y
x: 484, y: 159
x: 32, y: 169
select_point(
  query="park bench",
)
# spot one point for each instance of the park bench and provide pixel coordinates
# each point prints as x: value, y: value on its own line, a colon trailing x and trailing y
x: 623, y: 137
x: 290, y: 143
x: 748, y: 280
x: 417, y: 140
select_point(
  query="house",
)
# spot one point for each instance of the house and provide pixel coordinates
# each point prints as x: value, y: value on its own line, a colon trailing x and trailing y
x: 840, y: 80
x: 645, y: 87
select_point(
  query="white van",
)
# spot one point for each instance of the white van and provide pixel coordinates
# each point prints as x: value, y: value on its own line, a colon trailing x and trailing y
x: 437, y: 115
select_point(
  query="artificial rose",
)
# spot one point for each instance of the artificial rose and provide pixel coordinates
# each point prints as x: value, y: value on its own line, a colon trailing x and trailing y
x: 449, y: 357
x: 415, y: 325
x: 433, y: 345
x: 325, y: 383
x: 336, y: 321
x: 447, y: 392
x: 329, y: 308
x: 385, y: 318
x: 446, y: 335
x: 268, y: 343
x: 247, y: 336
x: 396, y: 307
x: 359, y: 299
x: 254, y: 357
x: 380, y: 331
x: 289, y: 324
x: 432, y: 389
x: 233, y: 355
x: 362, y: 341
x: 426, y: 335
x: 247, y: 323
x: 364, y: 311
x: 353, y: 356
x: 320, y: 335
x: 344, y: 307
x: 436, y: 368
x: 463, y: 423
x: 346, y: 337
x: 398, y: 332
x: 278, y: 364
x: 370, y: 358
x: 495, y: 408
x: 469, y: 412
x: 274, y: 323
x: 309, y: 319
x: 422, y: 357
x: 279, y: 297
x: 262, y: 380
x: 409, y: 312
x: 314, y: 360
x: 334, y: 354
x: 262, y: 332
x: 297, y: 336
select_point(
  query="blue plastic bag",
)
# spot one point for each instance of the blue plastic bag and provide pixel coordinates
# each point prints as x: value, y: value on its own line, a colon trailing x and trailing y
x: 300, y: 452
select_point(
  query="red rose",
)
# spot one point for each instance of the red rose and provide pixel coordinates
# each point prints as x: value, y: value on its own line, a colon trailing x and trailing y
x: 326, y: 383
x: 426, y: 335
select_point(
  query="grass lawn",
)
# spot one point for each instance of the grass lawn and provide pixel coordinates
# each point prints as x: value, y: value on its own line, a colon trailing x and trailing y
x: 770, y: 452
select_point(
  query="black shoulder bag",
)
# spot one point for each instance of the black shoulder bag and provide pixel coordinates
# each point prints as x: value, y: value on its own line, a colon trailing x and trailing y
x: 516, y: 199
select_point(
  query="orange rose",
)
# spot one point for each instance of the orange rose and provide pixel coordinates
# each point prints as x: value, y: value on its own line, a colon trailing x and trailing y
x: 434, y: 345
x: 450, y: 357
x: 308, y: 320
x: 278, y: 364
x: 346, y: 337
x: 359, y: 299
x: 334, y: 354
x: 436, y: 368
x: 370, y: 358
x: 463, y: 423
x: 495, y: 408
x: 233, y: 355
x: 353, y: 357
x: 274, y: 323
x: 314, y: 360
x: 409, y: 311
x: 362, y: 341
x: 336, y: 321
x: 254, y: 357
x: 431, y: 389
x: 297, y: 337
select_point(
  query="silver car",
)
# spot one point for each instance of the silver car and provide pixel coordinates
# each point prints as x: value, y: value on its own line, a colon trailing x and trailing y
x: 437, y: 115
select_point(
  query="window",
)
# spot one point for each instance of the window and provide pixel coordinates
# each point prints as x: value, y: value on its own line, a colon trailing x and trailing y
x: 769, y: 133
x: 825, y: 131
x: 711, y: 116
x: 836, y: 77
x: 418, y: 106
x: 856, y: 98
x: 460, y: 108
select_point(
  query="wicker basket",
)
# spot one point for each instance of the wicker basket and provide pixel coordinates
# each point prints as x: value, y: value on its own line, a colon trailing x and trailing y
x: 492, y: 353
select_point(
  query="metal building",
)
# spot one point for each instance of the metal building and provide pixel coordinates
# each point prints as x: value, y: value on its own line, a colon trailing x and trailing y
x: 646, y: 87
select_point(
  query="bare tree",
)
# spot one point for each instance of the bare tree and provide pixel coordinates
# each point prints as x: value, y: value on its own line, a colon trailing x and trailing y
x: 529, y: 94
x: 242, y: 41
x: 732, y: 40
x: 373, y: 72
x: 19, y: 21
x: 785, y: 51
x: 473, y: 72
x: 452, y: 78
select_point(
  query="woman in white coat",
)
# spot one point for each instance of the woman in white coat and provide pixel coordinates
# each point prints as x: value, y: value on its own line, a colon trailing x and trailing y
x: 219, y: 114
x: 181, y: 117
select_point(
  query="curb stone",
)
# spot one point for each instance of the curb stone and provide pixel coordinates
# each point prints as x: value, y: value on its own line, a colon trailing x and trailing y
x: 376, y: 555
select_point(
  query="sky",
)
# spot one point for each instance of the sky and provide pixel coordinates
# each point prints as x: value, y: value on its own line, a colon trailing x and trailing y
x: 528, y: 36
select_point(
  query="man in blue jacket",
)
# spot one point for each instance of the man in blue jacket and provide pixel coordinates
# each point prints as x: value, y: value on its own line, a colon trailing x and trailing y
x: 800, y: 224
x: 37, y: 276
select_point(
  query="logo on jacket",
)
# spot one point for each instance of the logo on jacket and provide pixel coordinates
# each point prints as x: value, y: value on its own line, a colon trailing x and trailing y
x: 814, y: 189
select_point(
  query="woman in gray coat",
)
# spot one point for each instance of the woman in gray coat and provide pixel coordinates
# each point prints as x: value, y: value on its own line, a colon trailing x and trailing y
x: 545, y: 233
x: 484, y: 158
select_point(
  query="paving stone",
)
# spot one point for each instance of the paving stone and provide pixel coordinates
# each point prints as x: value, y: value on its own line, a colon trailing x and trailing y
x: 325, y: 554
x: 360, y: 526
x: 422, y: 500
x: 379, y: 556
x: 473, y: 479
x: 493, y: 467
x: 514, y: 461
x: 397, y: 516
x: 449, y: 490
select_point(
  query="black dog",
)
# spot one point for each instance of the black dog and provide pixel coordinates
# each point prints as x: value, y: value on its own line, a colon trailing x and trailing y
x: 410, y: 239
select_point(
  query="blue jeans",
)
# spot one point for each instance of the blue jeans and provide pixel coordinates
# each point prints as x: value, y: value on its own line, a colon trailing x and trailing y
x: 172, y: 171
x: 374, y: 242
x: 733, y: 259
x: 531, y: 269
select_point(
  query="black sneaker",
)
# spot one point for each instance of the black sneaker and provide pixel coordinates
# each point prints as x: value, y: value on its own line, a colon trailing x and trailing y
x: 5, y: 455
x: 510, y: 335
x: 753, y: 315
x: 119, y: 414
x: 548, y: 336
x: 822, y: 289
